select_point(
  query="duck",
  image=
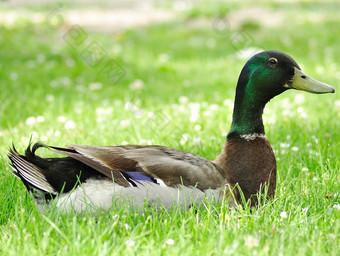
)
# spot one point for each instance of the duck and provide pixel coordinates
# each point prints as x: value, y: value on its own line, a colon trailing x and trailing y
x: 88, y: 177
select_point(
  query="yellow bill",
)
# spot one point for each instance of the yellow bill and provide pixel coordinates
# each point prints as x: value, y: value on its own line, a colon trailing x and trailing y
x: 303, y: 82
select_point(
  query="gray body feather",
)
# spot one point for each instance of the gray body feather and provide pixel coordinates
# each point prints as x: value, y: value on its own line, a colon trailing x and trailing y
x: 104, y: 194
x: 172, y: 178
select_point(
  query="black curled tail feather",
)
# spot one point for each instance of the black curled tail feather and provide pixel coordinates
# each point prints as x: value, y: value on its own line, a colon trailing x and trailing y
x: 31, y: 175
x: 52, y: 175
x: 30, y: 155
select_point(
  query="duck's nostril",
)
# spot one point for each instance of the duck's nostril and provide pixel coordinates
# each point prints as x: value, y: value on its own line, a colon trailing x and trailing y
x: 303, y: 76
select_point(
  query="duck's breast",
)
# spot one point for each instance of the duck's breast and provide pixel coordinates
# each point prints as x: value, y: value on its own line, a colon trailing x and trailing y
x: 250, y: 163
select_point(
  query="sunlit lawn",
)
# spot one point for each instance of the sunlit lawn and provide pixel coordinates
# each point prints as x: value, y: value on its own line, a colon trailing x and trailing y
x: 176, y: 89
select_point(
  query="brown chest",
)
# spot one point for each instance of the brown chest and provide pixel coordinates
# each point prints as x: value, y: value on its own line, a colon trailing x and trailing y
x: 249, y: 163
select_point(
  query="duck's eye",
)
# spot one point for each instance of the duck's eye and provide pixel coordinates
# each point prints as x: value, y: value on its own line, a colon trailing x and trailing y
x: 272, y: 61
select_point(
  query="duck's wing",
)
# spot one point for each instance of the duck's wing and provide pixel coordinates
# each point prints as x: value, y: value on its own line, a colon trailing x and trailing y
x: 157, y: 164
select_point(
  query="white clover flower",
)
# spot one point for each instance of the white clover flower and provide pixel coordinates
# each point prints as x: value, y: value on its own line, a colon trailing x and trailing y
x: 70, y: 125
x: 267, y: 111
x: 193, y: 118
x: 286, y: 103
x: 107, y: 111
x: 31, y: 64
x: 283, y: 215
x: 41, y: 58
x: 305, y: 169
x: 62, y: 119
x: 181, y: 5
x: 320, y: 70
x: 315, y: 178
x: 182, y: 108
x: 69, y: 62
x: 197, y: 127
x: 151, y: 115
x: 337, y: 104
x: 65, y: 81
x: 49, y: 97
x: 95, y: 86
x: 127, y: 226
x: 207, y: 113
x: 184, y: 139
x: 247, y: 53
x: 143, y: 141
x: 100, y: 111
x: 284, y: 145
x: 315, y: 139
x: 295, y: 149
x: 34, y: 135
x: 186, y: 83
x: 13, y: 76
x: 325, y: 176
x: 100, y: 119
x: 195, y: 110
x: 25, y: 140
x: 196, y: 141
x: 31, y: 120
x: 80, y: 88
x: 139, y: 113
x: 213, y: 107
x: 163, y: 57
x: 336, y: 206
x: 251, y: 242
x: 136, y: 85
x: 43, y: 138
x: 272, y: 120
x: 286, y: 112
x: 40, y: 119
x: 130, y: 243
x: 303, y: 115
x: 125, y: 123
x: 300, y: 110
x: 299, y: 98
x: 170, y: 241
x: 228, y: 103
x: 183, y: 99
x: 116, y: 49
x: 131, y: 107
x: 195, y: 107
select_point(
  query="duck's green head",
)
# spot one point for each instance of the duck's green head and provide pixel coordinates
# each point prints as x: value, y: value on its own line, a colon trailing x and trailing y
x: 264, y: 76
x: 270, y: 73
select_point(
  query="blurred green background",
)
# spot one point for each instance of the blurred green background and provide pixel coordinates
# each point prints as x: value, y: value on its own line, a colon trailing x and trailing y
x: 165, y: 72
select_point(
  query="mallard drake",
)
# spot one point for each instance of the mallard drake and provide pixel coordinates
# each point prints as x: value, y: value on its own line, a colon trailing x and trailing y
x: 97, y: 176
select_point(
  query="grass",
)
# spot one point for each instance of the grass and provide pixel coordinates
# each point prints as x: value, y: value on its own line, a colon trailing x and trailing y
x: 50, y: 93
